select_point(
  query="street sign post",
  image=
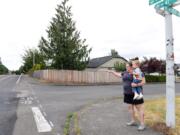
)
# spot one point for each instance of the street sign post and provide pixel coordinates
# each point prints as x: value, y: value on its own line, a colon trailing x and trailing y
x: 164, y: 7
x: 170, y: 78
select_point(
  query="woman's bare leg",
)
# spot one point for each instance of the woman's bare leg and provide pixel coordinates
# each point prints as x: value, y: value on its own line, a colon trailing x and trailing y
x: 132, y: 112
x: 140, y: 109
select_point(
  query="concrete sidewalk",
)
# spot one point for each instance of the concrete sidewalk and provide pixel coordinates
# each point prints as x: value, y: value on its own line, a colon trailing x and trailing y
x: 108, y: 118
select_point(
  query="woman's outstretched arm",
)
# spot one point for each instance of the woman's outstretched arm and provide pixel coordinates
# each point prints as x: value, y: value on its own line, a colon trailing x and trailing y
x: 115, y: 73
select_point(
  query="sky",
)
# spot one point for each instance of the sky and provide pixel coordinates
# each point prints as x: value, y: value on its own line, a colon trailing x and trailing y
x: 131, y: 27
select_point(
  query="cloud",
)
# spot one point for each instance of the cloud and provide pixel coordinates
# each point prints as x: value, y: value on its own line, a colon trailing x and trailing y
x: 131, y: 27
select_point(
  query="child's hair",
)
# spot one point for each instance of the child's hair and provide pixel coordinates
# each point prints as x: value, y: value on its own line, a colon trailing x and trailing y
x: 136, y: 61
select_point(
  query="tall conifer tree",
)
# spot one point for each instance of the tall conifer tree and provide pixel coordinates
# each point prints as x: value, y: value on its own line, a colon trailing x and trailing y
x: 63, y: 47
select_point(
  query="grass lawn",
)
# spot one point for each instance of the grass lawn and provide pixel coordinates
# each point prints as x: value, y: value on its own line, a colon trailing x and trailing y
x: 155, y: 116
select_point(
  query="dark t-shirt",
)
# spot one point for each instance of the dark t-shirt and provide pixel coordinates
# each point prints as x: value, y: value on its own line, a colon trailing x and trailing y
x: 127, y: 80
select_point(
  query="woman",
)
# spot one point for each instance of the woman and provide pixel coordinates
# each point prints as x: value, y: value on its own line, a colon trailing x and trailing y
x: 127, y: 78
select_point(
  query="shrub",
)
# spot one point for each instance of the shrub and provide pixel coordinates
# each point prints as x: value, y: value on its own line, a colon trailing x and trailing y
x: 151, y: 78
x: 119, y: 67
x: 35, y: 68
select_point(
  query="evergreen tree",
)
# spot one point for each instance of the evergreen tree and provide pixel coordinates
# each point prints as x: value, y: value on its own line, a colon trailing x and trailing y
x: 63, y: 47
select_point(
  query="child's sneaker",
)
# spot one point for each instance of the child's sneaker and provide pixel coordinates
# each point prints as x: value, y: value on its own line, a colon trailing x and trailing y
x: 140, y: 96
x: 136, y: 96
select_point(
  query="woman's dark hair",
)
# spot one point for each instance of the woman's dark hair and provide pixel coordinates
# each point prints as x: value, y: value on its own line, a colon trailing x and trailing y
x: 133, y: 59
x: 130, y: 63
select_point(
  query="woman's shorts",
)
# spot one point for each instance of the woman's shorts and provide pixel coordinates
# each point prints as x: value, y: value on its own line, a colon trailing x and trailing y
x: 128, y: 98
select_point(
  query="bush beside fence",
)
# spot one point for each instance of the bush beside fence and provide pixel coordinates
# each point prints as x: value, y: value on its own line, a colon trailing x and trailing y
x: 76, y: 77
x: 151, y: 78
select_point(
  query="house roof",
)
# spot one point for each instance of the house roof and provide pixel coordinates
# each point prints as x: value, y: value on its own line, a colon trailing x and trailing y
x: 96, y: 62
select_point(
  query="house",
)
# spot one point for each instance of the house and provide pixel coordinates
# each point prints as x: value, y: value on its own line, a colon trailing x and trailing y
x: 107, y: 62
x: 177, y: 69
x: 177, y: 66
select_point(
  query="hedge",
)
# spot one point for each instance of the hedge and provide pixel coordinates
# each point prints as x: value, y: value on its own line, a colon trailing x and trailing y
x: 151, y: 78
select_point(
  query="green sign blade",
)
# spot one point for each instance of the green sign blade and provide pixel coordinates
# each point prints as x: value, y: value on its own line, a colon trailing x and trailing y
x: 172, y: 11
x: 160, y: 5
x: 170, y: 2
x: 151, y: 2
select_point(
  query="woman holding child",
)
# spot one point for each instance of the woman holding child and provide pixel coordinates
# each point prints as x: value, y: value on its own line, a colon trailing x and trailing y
x: 133, y: 80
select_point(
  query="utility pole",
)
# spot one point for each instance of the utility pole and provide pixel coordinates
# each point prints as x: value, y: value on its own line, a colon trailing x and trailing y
x: 165, y: 8
x: 170, y: 78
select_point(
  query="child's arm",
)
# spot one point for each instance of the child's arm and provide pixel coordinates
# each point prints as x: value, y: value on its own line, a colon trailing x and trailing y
x: 143, y: 82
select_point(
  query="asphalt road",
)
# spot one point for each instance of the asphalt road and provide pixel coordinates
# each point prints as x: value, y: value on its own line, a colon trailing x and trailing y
x: 54, y: 103
x: 8, y: 104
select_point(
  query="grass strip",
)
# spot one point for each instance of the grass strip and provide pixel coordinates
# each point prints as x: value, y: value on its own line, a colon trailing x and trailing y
x: 66, y: 130
x: 155, y: 113
x: 77, y: 130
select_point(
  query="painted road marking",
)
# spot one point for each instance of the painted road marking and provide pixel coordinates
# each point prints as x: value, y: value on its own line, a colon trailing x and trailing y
x: 19, y: 79
x: 41, y: 123
x: 52, y: 125
x: 45, y: 114
x: 40, y: 106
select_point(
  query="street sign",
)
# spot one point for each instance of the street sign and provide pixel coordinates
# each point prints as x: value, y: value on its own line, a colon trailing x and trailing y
x: 166, y: 2
x: 169, y: 2
x: 176, y: 4
x: 160, y: 5
x: 172, y: 11
x: 151, y: 2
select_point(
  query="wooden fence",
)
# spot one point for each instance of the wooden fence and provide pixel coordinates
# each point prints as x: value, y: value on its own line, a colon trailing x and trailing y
x: 76, y: 77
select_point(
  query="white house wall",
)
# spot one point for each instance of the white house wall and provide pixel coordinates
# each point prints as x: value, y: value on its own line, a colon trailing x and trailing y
x: 111, y: 63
